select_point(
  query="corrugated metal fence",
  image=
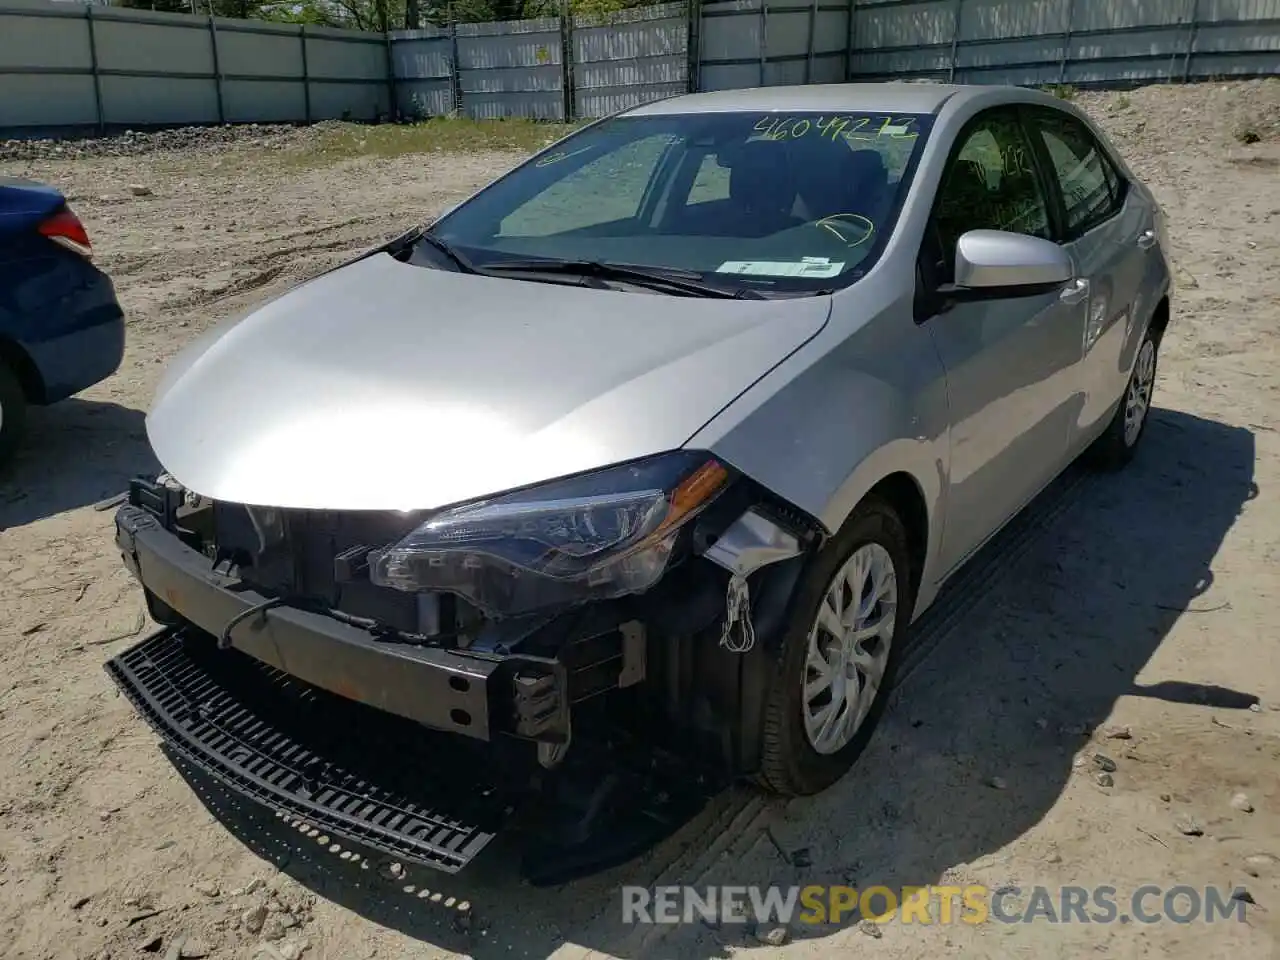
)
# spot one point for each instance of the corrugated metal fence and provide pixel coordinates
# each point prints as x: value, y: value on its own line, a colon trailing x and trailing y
x: 748, y: 43
x: 1030, y: 42
x: 630, y: 58
x: 1077, y: 42
x: 513, y: 69
x: 71, y: 65
x: 546, y: 69
x: 422, y: 65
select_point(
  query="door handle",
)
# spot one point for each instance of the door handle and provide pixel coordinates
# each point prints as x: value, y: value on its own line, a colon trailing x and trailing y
x: 1147, y: 239
x: 1075, y: 291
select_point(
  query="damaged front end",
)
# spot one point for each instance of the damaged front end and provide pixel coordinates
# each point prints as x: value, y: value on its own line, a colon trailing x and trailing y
x: 587, y: 658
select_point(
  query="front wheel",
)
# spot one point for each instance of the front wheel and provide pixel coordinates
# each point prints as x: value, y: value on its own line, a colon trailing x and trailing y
x: 838, y: 657
x: 1118, y: 443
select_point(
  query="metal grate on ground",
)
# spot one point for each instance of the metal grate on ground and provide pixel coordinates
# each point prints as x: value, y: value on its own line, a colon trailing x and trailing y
x: 308, y: 753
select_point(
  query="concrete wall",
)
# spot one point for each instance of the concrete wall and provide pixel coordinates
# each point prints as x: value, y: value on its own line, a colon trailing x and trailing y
x: 68, y: 65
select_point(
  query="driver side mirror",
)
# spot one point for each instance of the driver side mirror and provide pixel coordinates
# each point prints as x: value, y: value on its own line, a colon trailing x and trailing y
x: 996, y: 264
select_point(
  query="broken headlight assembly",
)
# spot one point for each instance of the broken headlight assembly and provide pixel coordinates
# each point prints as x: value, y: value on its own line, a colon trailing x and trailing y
x: 596, y: 536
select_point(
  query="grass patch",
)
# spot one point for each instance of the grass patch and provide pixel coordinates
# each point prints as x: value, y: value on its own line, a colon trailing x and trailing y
x: 335, y: 141
x: 1248, y: 133
x: 1063, y: 91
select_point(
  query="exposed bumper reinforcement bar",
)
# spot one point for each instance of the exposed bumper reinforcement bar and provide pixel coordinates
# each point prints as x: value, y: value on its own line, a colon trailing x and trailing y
x: 443, y: 689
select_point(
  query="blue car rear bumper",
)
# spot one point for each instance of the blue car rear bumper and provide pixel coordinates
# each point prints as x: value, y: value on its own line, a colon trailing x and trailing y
x: 79, y: 359
x: 76, y: 340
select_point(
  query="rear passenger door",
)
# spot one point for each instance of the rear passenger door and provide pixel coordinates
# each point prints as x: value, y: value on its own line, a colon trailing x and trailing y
x: 1103, y: 225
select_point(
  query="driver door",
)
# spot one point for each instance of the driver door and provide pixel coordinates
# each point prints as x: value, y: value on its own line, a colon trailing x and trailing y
x: 1011, y: 361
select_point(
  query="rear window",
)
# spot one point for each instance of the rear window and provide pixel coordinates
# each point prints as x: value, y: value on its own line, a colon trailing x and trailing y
x: 798, y: 202
x: 1090, y: 186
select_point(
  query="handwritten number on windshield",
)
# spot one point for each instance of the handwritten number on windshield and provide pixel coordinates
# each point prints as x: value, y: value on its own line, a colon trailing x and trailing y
x: 559, y: 155
x: 773, y: 127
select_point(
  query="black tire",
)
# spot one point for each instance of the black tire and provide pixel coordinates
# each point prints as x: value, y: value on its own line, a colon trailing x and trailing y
x: 790, y: 766
x: 13, y: 413
x: 1115, y: 447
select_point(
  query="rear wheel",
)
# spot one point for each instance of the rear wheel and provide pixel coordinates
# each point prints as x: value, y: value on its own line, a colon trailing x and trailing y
x: 839, y: 655
x: 1117, y: 445
x: 13, y: 412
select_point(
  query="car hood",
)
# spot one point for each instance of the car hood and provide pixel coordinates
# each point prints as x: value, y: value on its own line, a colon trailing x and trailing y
x: 385, y: 386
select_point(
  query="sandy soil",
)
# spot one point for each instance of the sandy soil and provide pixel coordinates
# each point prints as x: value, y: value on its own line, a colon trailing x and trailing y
x: 1145, y: 599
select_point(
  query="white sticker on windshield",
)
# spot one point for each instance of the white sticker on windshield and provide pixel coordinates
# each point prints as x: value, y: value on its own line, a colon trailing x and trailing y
x: 808, y: 267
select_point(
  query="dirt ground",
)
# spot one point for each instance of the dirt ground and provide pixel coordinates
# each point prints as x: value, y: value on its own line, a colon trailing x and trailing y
x: 1145, y: 600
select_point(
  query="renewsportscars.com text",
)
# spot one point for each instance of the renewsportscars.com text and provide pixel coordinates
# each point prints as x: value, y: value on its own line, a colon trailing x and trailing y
x: 973, y: 904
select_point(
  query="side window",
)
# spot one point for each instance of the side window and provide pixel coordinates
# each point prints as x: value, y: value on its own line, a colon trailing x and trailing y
x: 1090, y: 184
x: 989, y: 185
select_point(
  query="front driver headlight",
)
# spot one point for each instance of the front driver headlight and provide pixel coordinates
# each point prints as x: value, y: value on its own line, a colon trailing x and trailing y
x: 591, y: 537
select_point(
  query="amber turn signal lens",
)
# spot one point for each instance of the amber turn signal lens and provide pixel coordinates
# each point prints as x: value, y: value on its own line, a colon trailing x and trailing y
x: 695, y: 490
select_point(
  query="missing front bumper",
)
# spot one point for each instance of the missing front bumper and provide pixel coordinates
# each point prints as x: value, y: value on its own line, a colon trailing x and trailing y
x: 617, y: 792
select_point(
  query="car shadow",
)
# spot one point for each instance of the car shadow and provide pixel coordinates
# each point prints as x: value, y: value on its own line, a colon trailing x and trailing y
x: 1029, y: 655
x: 76, y: 453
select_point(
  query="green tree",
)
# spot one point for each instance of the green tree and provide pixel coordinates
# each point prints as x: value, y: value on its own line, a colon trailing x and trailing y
x: 381, y: 15
x: 373, y: 15
x: 164, y: 6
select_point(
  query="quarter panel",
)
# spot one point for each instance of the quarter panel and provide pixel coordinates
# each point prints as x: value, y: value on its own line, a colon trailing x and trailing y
x: 864, y: 399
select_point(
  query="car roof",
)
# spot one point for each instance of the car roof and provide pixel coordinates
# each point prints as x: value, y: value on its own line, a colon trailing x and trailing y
x: 890, y: 96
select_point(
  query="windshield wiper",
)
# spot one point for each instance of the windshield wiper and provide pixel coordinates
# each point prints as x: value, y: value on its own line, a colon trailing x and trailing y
x: 449, y: 251
x: 658, y: 278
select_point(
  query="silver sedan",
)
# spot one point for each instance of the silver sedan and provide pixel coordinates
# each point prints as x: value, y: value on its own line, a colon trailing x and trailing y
x: 737, y: 380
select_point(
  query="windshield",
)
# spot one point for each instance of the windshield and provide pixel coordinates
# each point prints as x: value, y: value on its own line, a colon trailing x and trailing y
x: 788, y: 203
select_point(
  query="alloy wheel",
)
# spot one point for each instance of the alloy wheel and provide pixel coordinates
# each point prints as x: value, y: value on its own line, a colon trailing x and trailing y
x: 1138, y: 398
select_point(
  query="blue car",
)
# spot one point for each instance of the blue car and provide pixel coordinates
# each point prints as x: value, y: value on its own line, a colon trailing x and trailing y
x: 61, y: 326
